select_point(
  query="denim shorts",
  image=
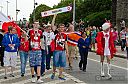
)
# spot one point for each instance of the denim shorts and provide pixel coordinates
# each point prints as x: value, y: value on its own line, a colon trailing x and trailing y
x: 35, y: 58
x: 59, y: 59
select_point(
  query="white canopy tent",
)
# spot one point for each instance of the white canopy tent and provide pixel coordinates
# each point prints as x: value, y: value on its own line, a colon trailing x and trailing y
x: 3, y: 18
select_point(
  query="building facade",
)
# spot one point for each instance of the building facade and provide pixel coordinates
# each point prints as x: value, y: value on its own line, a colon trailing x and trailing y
x: 122, y: 12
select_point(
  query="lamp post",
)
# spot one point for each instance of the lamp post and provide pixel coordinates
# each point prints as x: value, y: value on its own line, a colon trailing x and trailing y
x: 7, y: 7
x: 35, y: 3
x: 17, y: 13
x: 74, y: 4
x: 17, y: 10
x: 1, y: 8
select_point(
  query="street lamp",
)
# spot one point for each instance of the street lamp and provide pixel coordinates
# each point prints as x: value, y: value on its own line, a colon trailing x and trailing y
x: 7, y: 7
x: 17, y: 10
x: 1, y: 8
x: 74, y: 4
x: 17, y: 13
x: 35, y: 3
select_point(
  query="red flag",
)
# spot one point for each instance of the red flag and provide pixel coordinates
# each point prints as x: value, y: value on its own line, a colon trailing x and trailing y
x: 6, y: 22
x: 13, y: 24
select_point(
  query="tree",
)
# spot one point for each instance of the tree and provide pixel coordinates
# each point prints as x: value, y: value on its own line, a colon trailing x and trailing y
x: 114, y: 6
x: 84, y: 8
x: 91, y: 6
x: 97, y: 18
x: 64, y: 17
x: 38, y: 11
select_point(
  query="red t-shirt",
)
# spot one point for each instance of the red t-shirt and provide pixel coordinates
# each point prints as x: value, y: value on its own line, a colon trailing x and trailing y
x: 60, y: 40
x: 25, y: 45
x: 35, y: 37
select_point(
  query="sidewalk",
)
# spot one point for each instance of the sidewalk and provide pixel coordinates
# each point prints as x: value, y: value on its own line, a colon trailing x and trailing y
x: 119, y: 53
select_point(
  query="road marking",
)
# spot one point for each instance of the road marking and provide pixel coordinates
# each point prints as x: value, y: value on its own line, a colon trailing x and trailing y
x: 13, y: 72
x: 11, y: 78
x: 29, y: 80
x: 73, y: 78
x: 57, y: 81
x: 111, y: 64
x: 68, y: 76
x: 17, y: 67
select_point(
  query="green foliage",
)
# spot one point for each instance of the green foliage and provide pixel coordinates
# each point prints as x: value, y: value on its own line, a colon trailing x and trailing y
x: 83, y: 9
x: 38, y: 11
x: 64, y: 17
x: 92, y: 10
x: 97, y: 18
x: 91, y: 6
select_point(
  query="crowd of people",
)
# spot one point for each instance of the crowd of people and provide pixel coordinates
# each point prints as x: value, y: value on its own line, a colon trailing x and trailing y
x: 39, y: 44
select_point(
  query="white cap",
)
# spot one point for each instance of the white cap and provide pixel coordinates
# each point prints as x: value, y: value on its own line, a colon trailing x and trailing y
x: 105, y: 26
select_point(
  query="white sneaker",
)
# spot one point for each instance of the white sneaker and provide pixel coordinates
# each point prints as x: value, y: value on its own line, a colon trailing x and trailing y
x: 39, y: 81
x: 109, y: 76
x: 102, y: 70
x: 33, y: 80
x: 102, y: 75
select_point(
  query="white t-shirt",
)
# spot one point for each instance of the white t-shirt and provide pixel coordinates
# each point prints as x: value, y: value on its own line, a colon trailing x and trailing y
x: 123, y: 34
x: 123, y: 24
x: 49, y: 37
x: 106, y: 48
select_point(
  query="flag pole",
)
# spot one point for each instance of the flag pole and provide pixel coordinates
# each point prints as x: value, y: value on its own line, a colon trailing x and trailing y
x: 74, y: 4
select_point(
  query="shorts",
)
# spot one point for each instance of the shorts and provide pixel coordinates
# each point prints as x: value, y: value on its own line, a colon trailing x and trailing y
x: 10, y: 59
x: 71, y: 50
x: 35, y: 58
x: 93, y: 40
x: 59, y: 59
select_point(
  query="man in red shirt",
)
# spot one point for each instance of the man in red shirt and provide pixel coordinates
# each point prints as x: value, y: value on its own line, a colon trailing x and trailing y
x: 59, y: 55
x: 35, y: 51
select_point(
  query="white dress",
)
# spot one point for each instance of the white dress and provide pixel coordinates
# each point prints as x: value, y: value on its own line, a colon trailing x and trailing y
x: 106, y: 48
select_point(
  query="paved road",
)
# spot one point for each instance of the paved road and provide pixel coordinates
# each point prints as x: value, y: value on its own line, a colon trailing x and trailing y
x: 27, y: 78
x: 121, y: 53
x: 119, y: 72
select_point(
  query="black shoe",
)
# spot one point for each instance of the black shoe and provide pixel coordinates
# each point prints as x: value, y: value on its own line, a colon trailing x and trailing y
x: 70, y: 67
x: 48, y: 68
x: 84, y: 70
x: 22, y: 75
x: 5, y: 77
x: 2, y: 65
x: 12, y: 75
x: 80, y: 68
x: 43, y: 74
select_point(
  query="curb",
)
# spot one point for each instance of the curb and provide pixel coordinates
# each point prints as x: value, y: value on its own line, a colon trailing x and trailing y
x: 120, y: 56
x: 116, y: 55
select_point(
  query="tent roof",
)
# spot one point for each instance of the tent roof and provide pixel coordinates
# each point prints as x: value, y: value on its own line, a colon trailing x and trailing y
x: 4, y: 18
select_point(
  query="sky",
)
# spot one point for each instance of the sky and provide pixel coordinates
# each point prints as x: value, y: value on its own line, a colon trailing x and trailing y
x: 25, y: 6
